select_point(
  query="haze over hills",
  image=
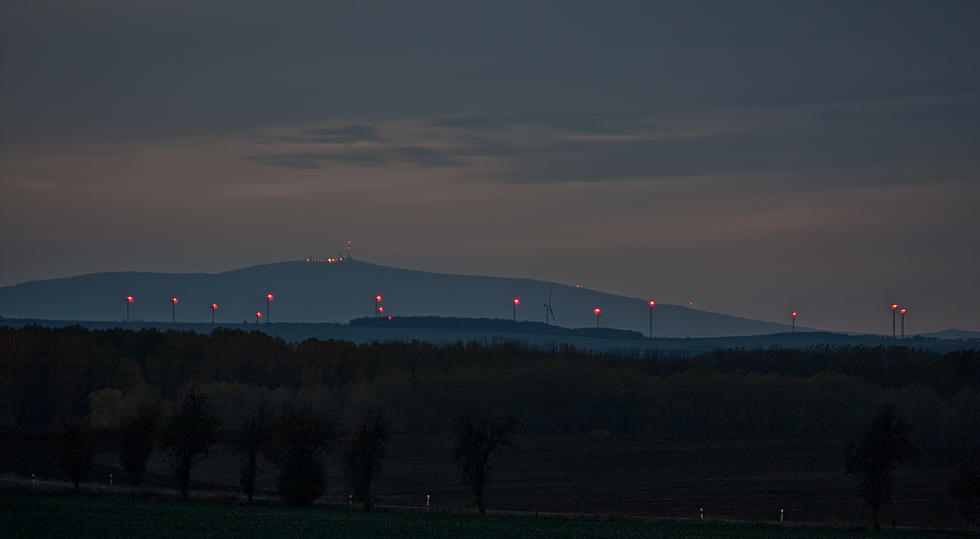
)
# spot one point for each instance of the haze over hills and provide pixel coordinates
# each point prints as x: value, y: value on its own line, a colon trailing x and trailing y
x: 337, y: 292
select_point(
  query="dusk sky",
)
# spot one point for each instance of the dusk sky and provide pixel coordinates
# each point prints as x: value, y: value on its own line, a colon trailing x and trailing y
x: 754, y: 158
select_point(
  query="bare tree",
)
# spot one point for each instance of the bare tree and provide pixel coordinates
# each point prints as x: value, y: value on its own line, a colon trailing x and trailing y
x: 300, y: 437
x: 477, y: 439
x: 255, y: 432
x: 885, y: 444
x: 137, y: 437
x: 363, y: 454
x: 188, y: 435
x: 75, y: 450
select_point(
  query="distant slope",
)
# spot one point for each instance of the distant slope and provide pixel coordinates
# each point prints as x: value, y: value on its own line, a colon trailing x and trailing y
x: 449, y: 330
x: 951, y: 334
x: 310, y: 292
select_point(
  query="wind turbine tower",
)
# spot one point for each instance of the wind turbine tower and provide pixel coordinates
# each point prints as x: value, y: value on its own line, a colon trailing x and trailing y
x: 547, y: 308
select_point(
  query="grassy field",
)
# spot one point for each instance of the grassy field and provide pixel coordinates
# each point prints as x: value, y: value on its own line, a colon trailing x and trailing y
x: 27, y: 514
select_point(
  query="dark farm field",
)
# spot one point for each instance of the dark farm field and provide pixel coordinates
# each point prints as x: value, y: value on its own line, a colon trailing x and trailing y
x: 631, y: 476
x: 25, y: 514
x: 617, y: 476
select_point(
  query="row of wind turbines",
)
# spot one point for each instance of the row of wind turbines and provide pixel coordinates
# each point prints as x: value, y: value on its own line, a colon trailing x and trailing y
x: 549, y: 313
x: 214, y: 307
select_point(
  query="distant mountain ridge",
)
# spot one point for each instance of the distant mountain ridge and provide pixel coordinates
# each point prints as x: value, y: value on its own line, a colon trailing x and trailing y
x: 313, y: 292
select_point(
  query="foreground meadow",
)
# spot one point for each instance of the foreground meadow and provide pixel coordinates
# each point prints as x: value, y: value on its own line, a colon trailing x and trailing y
x: 26, y: 514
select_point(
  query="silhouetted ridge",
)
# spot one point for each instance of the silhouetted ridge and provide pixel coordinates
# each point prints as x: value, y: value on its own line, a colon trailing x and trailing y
x: 493, y: 324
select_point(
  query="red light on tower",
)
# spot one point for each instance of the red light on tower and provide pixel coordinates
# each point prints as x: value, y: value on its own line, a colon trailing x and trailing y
x: 597, y: 311
x: 377, y: 309
x: 173, y: 310
x: 793, y: 316
x: 268, y: 311
x: 652, y: 303
x: 258, y: 316
x: 516, y: 303
x: 129, y: 299
x: 903, y: 322
x: 893, y: 319
x: 213, y: 307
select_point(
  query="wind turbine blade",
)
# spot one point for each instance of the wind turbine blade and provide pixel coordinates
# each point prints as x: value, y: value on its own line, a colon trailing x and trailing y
x: 552, y: 293
x: 552, y: 314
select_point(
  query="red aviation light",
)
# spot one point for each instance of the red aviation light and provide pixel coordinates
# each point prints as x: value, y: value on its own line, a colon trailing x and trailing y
x: 377, y: 298
x: 129, y: 299
x: 652, y: 303
x: 214, y: 305
x: 793, y: 315
x: 269, y: 297
x: 517, y: 302
x: 174, y: 300
x: 902, y: 311
x: 894, y: 307
x: 597, y: 311
x: 258, y: 315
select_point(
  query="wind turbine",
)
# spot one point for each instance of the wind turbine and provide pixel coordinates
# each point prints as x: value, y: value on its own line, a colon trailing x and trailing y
x: 547, y: 308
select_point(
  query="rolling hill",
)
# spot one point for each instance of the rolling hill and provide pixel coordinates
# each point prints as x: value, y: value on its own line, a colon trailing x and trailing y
x: 312, y: 292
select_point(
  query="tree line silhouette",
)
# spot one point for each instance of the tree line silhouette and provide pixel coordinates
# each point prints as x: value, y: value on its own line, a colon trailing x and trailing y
x: 54, y: 375
x: 289, y: 401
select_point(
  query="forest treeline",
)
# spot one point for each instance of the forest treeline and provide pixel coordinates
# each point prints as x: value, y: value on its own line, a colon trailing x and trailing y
x: 52, y: 375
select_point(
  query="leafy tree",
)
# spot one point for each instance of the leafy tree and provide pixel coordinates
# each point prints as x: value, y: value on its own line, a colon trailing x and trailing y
x: 363, y: 454
x: 965, y: 486
x: 75, y: 450
x: 885, y: 444
x: 300, y: 437
x: 255, y: 432
x: 477, y: 439
x: 188, y: 435
x: 137, y: 437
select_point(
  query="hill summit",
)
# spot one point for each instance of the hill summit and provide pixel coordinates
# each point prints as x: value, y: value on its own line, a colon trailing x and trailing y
x: 340, y: 290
